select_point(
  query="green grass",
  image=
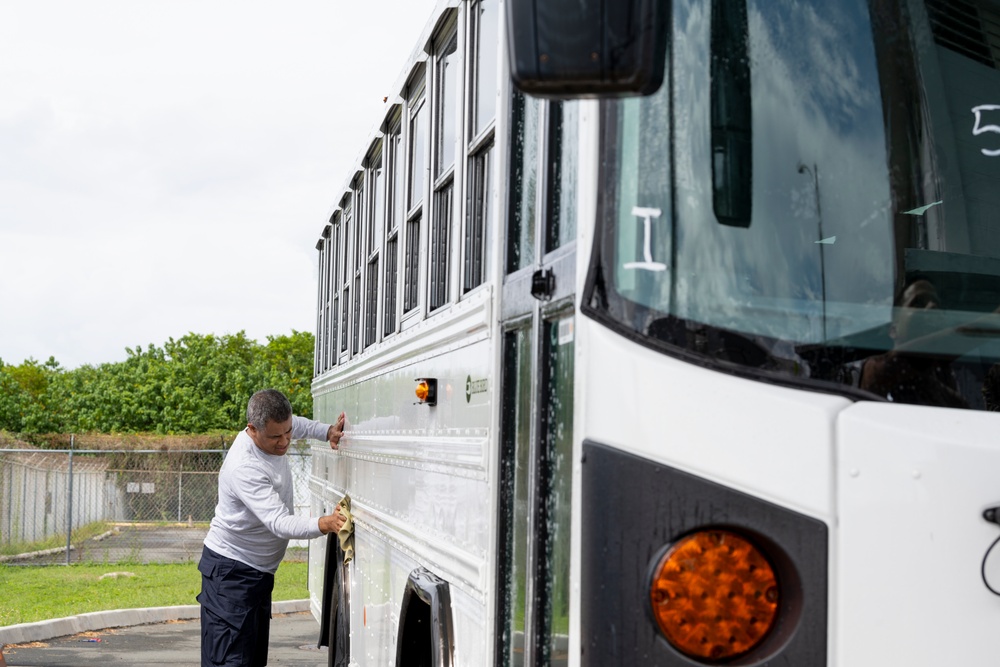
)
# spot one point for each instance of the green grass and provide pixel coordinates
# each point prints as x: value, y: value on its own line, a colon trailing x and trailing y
x: 29, y: 594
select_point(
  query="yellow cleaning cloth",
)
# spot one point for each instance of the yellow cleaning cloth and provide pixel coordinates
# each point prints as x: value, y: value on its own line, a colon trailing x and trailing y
x: 346, y: 532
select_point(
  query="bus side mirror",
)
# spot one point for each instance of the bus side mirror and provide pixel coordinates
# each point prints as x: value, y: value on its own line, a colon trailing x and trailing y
x: 566, y: 49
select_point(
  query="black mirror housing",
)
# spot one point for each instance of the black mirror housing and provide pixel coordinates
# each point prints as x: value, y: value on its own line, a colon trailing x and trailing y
x: 569, y: 49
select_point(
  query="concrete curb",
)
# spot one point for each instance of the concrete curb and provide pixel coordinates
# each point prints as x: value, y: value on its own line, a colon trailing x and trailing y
x: 24, y: 633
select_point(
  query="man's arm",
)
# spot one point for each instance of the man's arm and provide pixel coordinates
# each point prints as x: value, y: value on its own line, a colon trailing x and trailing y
x: 309, y: 428
x: 256, y: 492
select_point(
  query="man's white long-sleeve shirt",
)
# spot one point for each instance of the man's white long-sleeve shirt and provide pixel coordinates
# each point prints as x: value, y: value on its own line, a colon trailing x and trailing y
x: 255, y: 517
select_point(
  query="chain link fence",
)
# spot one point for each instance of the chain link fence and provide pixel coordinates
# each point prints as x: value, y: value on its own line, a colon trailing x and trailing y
x: 114, y: 505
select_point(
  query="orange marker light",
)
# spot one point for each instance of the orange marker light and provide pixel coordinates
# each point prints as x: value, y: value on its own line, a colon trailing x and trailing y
x: 427, y: 391
x: 714, y: 595
x: 422, y: 390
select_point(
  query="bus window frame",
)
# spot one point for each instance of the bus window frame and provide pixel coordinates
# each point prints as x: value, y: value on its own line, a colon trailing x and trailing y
x: 358, y: 190
x: 479, y: 147
x: 336, y: 261
x: 447, y: 46
x: 323, y: 296
x: 392, y: 148
x: 374, y: 232
x: 345, y: 275
x: 414, y: 203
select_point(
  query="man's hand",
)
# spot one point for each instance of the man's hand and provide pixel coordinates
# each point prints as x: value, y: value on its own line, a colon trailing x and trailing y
x: 336, y: 431
x: 332, y: 523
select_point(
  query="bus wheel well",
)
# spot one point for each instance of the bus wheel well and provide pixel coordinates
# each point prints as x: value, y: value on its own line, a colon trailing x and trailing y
x: 425, y: 628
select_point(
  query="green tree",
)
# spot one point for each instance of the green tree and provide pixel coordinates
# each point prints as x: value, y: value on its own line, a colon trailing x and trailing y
x: 289, y: 363
x: 29, y: 408
x: 13, y: 401
x: 199, y: 383
x: 115, y: 397
x: 210, y: 379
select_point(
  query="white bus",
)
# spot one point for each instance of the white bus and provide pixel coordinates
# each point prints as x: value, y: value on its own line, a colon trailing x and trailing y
x: 681, y: 352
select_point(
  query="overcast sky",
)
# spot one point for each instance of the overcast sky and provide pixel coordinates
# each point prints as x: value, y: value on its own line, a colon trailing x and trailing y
x: 167, y: 166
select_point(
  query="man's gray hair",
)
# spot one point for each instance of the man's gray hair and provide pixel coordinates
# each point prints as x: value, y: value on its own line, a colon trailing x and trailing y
x: 268, y: 405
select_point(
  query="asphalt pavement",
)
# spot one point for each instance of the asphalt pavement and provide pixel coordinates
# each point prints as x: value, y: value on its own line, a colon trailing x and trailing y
x: 133, y: 543
x: 136, y: 543
x: 177, y: 643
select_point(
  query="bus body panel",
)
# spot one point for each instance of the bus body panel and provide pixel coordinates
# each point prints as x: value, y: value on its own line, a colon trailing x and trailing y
x: 912, y: 484
x: 378, y: 580
x: 773, y: 442
x: 417, y: 475
x: 902, y: 488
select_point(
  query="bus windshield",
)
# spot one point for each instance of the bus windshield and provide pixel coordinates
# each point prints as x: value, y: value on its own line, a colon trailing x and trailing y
x: 812, y: 197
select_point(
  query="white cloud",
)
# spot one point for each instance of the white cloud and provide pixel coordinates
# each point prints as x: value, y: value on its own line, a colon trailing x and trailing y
x: 166, y: 167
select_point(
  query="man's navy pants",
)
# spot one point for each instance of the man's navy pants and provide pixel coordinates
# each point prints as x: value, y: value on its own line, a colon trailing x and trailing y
x: 235, y: 612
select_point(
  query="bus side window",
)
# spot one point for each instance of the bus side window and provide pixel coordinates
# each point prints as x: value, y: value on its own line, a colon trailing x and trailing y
x: 336, y: 261
x: 357, y: 262
x: 446, y: 100
x: 416, y: 163
x: 347, y: 228
x: 322, y: 354
x: 373, y: 240
x: 394, y: 167
x: 483, y: 25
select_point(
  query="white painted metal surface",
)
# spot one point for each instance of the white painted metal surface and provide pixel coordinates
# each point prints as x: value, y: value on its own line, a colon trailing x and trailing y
x: 418, y: 478
x: 912, y: 483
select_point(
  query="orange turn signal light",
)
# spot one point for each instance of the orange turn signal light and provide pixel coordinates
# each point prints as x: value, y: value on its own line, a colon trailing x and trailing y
x: 426, y: 391
x: 714, y: 595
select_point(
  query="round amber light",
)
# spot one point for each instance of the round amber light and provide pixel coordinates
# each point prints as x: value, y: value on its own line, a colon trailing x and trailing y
x: 422, y: 391
x: 714, y: 595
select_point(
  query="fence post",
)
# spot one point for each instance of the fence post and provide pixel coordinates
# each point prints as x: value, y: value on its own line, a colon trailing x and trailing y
x: 69, y: 502
x: 180, y: 477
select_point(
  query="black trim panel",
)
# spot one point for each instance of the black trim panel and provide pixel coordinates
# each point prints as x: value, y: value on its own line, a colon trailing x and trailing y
x: 334, y: 624
x: 425, y: 588
x: 633, y: 508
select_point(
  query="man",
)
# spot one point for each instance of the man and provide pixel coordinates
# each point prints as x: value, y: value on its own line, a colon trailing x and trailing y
x: 253, y: 523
